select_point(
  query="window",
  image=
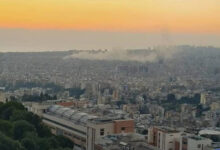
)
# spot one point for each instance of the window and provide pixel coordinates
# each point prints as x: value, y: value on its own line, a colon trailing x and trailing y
x: 122, y: 128
x: 199, y: 146
x: 102, y: 131
x: 185, y: 142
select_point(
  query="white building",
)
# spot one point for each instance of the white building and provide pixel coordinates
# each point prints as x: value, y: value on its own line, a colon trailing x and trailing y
x: 163, y: 138
x: 194, y: 143
x: 82, y: 128
x: 169, y: 139
x: 166, y: 140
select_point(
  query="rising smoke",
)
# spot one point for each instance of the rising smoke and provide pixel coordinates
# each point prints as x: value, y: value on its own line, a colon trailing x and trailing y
x: 140, y: 55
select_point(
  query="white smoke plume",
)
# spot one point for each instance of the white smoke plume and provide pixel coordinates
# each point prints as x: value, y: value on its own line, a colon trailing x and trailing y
x: 148, y: 55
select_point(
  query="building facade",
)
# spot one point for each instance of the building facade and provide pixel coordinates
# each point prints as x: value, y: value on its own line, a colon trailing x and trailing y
x: 82, y: 128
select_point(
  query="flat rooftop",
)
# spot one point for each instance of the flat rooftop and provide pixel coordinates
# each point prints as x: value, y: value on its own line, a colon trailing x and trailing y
x: 80, y: 116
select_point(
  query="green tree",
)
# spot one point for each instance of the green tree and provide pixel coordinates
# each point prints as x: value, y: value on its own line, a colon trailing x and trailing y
x: 43, y: 144
x: 64, y: 142
x: 20, y: 128
x: 7, y: 143
x: 29, y: 144
x: 18, y: 115
x: 171, y: 98
x: 6, y: 113
x: 6, y: 127
x: 43, y: 131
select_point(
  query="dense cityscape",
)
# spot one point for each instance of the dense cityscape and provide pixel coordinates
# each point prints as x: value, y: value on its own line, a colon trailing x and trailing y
x: 159, y: 98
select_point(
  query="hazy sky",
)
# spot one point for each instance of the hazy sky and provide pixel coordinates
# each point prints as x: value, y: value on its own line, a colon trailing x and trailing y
x: 68, y: 24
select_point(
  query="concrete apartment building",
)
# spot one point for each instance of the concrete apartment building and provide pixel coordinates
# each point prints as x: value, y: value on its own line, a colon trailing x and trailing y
x: 36, y: 108
x: 82, y: 128
x: 194, y: 143
x: 164, y: 138
x: 2, y: 96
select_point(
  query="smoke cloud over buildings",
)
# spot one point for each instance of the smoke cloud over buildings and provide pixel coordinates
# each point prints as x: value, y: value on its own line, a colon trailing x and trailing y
x: 140, y: 55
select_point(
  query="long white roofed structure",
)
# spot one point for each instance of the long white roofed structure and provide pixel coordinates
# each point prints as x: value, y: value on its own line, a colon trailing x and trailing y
x: 84, y: 128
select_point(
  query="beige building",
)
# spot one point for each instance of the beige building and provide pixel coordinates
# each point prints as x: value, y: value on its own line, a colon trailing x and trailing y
x: 163, y: 138
x: 203, y: 99
x: 2, y: 97
x: 82, y: 128
x: 36, y: 108
x: 194, y: 143
x: 215, y: 106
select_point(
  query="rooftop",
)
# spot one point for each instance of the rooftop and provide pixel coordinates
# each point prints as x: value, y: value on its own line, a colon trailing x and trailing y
x: 209, y: 132
x: 168, y: 129
x: 127, y: 141
x: 81, y: 116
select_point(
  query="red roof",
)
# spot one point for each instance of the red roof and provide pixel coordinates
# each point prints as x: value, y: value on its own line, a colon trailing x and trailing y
x: 66, y: 104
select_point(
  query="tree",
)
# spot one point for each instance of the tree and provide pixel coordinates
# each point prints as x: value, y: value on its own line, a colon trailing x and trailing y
x: 32, y: 118
x: 43, y: 144
x: 144, y: 109
x: 171, y: 98
x: 5, y: 114
x: 5, y: 127
x: 29, y: 144
x: 18, y: 115
x: 20, y: 128
x: 76, y: 92
x: 15, y: 105
x: 218, y: 124
x: 43, y: 131
x: 132, y: 101
x: 7, y: 143
x: 64, y: 142
x: 144, y: 97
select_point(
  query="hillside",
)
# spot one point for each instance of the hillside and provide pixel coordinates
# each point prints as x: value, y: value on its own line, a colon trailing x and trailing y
x: 22, y: 130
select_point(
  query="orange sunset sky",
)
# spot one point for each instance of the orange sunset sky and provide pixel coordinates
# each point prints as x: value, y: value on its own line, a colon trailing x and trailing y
x: 38, y: 25
x: 201, y: 16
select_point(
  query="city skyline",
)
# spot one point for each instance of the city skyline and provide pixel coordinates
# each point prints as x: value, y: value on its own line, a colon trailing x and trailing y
x: 109, y: 75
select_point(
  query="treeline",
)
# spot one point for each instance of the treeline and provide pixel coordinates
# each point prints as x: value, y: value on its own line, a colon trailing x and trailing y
x: 172, y: 103
x: 184, y: 100
x: 22, y: 130
x: 37, y: 98
x: 34, y: 98
x: 22, y: 84
x: 54, y: 88
x: 76, y: 92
